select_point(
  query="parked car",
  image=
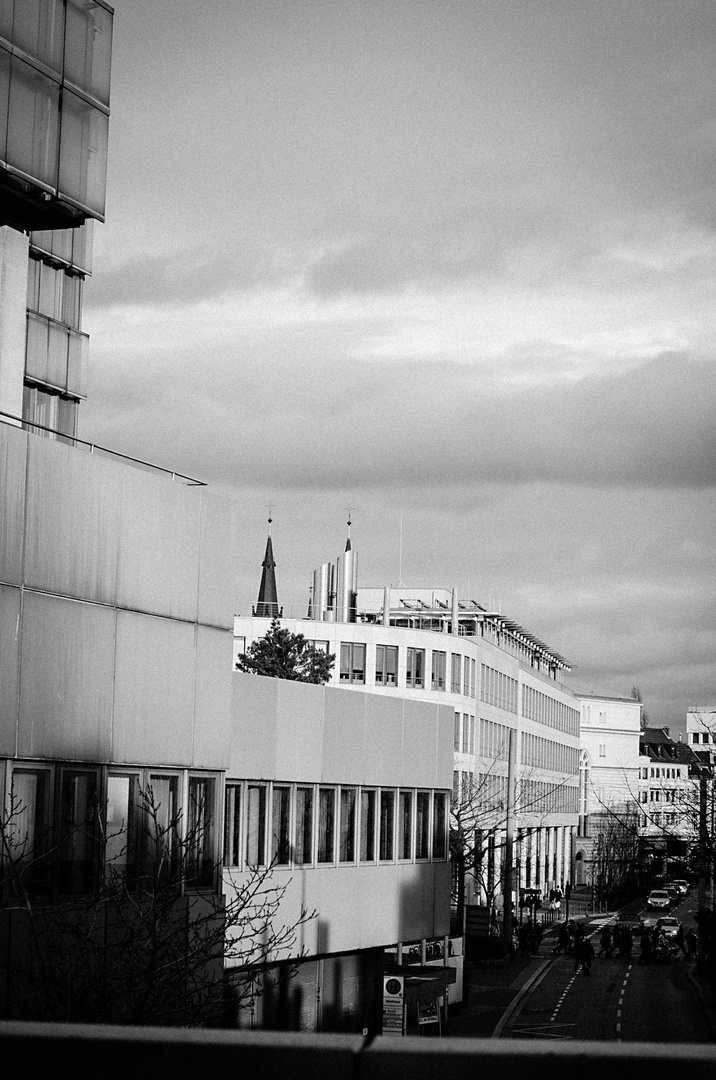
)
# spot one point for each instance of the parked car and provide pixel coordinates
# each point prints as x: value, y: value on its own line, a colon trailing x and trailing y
x: 682, y: 885
x: 658, y: 900
x: 670, y: 925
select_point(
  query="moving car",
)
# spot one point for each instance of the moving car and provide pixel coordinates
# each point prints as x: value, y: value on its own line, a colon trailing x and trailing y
x: 674, y: 894
x: 682, y: 885
x: 670, y: 925
x: 658, y: 900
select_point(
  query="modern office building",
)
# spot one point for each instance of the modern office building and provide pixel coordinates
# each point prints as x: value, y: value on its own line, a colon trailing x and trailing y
x: 504, y: 687
x: 116, y: 629
x: 55, y: 60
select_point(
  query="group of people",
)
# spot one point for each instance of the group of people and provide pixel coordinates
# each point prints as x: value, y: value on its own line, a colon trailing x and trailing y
x: 619, y: 939
x: 529, y: 937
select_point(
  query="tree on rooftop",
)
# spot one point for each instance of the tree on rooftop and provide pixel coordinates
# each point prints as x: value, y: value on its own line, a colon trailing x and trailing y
x: 281, y: 654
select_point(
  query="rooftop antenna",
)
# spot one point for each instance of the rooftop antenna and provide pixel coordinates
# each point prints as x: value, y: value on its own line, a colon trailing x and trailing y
x: 400, y: 583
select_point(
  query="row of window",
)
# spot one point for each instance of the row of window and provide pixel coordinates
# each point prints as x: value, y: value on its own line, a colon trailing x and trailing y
x: 548, y: 754
x: 704, y: 737
x: 52, y: 292
x: 352, y: 668
x: 655, y: 773
x: 659, y: 795
x: 494, y: 740
x: 312, y: 824
x: 547, y: 710
x: 537, y: 796
x: 68, y: 828
x: 464, y: 737
x: 498, y: 689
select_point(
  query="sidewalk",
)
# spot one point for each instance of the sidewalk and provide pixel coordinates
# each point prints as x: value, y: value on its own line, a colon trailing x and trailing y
x: 492, y: 991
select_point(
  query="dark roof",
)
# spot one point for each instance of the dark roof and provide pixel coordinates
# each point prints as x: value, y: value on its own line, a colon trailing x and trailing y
x: 267, y: 603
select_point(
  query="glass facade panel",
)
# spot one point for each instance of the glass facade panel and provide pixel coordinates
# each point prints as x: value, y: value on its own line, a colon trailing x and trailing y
x: 77, y: 364
x: 37, y: 28
x: 83, y: 153
x: 37, y: 347
x: 88, y: 48
x: 33, y: 123
x: 57, y: 345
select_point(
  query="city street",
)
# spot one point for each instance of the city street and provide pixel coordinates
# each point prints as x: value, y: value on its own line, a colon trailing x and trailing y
x: 620, y: 1000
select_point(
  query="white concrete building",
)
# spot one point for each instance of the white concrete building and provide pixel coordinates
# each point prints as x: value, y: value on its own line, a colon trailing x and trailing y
x: 609, y: 769
x: 503, y: 685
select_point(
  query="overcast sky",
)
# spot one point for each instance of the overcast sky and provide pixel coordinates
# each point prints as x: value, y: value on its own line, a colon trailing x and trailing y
x: 450, y: 263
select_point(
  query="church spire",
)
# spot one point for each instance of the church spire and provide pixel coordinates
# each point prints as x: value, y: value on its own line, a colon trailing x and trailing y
x: 267, y: 603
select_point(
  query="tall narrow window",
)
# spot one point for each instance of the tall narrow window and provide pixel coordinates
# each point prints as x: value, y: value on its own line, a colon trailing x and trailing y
x: 303, y: 843
x: 386, y: 665
x: 200, y: 832
x: 415, y: 668
x: 367, y: 825
x: 27, y: 830
x: 347, y: 850
x: 387, y: 824
x: 232, y: 825
x: 457, y: 730
x: 455, y: 670
x: 466, y: 677
x: 438, y: 670
x: 405, y: 850
x: 256, y: 825
x: 78, y: 805
x: 120, y: 838
x: 280, y: 810
x: 326, y: 824
x: 422, y: 825
x: 439, y: 825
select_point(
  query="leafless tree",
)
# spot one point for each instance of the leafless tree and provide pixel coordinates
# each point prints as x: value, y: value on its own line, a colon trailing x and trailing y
x: 149, y: 945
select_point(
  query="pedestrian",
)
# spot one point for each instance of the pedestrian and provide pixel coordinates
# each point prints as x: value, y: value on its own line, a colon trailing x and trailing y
x: 537, y: 934
x: 646, y: 952
x: 562, y: 939
x: 605, y: 943
x: 681, y: 938
x: 583, y: 953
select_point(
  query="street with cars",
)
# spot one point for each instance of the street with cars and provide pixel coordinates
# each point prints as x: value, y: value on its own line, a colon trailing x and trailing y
x: 639, y: 987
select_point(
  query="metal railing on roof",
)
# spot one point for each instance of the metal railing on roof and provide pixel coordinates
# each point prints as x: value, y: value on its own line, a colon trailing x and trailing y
x: 97, y: 448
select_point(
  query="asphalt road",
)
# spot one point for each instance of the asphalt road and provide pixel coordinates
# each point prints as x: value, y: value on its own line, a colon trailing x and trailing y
x: 621, y: 1000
